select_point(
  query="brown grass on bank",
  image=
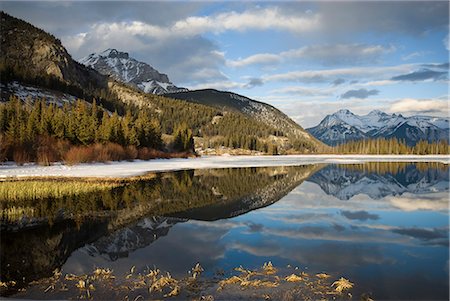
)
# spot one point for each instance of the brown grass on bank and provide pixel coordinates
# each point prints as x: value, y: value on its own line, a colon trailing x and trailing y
x: 114, y: 152
x: 45, y: 150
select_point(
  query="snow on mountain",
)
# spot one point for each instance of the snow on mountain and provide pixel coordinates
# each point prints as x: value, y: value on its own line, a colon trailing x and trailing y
x: 32, y: 93
x: 123, y: 68
x: 344, y: 126
x: 131, y: 238
x: 346, y: 183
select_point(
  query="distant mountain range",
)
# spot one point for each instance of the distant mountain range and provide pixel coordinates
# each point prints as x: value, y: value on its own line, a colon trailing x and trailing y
x: 344, y: 126
x: 344, y: 183
x: 126, y: 69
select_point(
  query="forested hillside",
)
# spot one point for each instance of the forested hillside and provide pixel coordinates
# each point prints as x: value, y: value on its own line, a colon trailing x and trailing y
x: 35, y: 58
x: 79, y: 133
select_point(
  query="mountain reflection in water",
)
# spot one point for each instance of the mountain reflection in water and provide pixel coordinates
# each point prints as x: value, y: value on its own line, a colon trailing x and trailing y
x: 385, y: 225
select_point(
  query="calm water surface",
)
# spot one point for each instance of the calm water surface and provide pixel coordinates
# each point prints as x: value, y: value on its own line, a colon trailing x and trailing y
x: 384, y: 226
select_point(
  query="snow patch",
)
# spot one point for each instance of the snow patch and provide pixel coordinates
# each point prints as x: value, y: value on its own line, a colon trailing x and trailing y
x: 138, y: 167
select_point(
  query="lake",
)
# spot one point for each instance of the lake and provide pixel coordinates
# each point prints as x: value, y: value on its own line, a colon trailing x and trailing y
x: 383, y: 226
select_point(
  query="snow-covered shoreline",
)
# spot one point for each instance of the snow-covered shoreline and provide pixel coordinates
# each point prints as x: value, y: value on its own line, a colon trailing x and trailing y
x: 135, y: 168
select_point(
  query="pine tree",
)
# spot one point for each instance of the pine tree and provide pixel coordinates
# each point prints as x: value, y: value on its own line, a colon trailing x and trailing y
x: 184, y: 140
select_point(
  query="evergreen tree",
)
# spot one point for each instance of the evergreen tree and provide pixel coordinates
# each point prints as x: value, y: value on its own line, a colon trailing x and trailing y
x: 184, y: 141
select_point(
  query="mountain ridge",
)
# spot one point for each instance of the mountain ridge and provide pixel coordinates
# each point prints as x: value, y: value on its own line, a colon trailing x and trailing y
x: 344, y: 126
x: 120, y: 66
x: 344, y: 183
x: 263, y: 112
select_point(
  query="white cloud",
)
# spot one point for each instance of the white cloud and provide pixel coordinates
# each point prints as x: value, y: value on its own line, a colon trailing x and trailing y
x: 415, y: 106
x: 410, y: 202
x: 328, y: 74
x: 446, y: 42
x: 304, y: 91
x: 413, y: 55
x: 178, y: 48
x: 340, y: 53
x: 326, y: 54
x: 219, y: 85
x: 260, y: 58
x: 255, y: 19
x: 376, y: 83
x: 193, y: 26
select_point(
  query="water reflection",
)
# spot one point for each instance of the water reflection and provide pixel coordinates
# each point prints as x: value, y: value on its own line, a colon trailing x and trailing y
x: 380, y: 179
x: 384, y: 226
x: 112, y: 221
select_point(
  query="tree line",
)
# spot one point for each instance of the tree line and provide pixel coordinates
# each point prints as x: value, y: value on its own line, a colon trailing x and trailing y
x: 391, y: 146
x: 28, y: 127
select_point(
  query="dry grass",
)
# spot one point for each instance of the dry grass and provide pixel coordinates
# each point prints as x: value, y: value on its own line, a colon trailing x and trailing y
x: 342, y: 285
x: 322, y: 276
x: 16, y: 213
x: 269, y: 269
x: 153, y: 284
x: 45, y: 150
x: 293, y: 278
x: 33, y: 190
x: 115, y: 152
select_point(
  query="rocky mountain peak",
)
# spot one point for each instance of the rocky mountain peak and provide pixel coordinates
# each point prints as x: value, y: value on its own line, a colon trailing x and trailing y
x: 114, y: 53
x: 344, y: 112
x: 120, y: 66
x: 376, y: 112
x: 344, y: 126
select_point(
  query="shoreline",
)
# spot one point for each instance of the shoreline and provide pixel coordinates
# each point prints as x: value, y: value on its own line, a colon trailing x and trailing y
x: 125, y: 169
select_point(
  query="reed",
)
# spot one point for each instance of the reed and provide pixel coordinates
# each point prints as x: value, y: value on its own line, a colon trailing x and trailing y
x: 36, y: 189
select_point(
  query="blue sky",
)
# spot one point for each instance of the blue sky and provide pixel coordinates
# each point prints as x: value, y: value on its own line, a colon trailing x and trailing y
x: 308, y: 59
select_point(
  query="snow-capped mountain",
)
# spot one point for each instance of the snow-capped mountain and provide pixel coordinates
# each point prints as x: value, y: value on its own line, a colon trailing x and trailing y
x: 344, y: 126
x: 128, y: 239
x: 345, y: 183
x: 126, y: 69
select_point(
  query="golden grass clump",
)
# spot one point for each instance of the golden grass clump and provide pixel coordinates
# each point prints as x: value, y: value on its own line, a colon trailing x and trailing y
x: 103, y: 274
x: 342, y: 284
x: 269, y: 269
x: 196, y: 271
x: 293, y: 278
x: 39, y: 189
x: 163, y: 282
x: 297, y: 286
x: 322, y: 276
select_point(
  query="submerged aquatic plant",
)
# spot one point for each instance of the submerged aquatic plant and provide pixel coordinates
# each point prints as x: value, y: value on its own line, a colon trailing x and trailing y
x: 103, y: 274
x: 293, y: 278
x: 197, y: 270
x: 296, y: 286
x: 342, y: 284
x: 163, y: 282
x: 322, y: 276
x: 268, y: 268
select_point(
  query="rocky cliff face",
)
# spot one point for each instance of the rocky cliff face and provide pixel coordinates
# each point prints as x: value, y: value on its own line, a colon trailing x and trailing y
x: 120, y: 66
x: 33, y: 53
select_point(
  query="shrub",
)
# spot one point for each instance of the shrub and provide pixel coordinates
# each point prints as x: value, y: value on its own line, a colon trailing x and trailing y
x: 79, y: 154
x: 131, y: 152
x: 115, y: 152
x: 20, y: 154
x: 50, y: 149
